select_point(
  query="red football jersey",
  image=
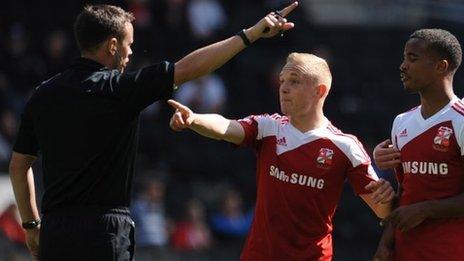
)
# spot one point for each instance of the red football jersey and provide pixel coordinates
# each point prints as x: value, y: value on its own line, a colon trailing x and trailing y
x: 299, y: 180
x: 432, y: 168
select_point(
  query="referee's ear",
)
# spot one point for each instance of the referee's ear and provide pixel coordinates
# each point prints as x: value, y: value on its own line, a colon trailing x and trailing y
x: 111, y: 46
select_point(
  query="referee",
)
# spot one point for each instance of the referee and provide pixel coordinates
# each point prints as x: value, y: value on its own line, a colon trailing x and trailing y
x: 84, y: 123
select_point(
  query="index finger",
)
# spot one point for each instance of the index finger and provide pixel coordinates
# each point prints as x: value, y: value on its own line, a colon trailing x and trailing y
x: 176, y: 105
x: 284, y: 12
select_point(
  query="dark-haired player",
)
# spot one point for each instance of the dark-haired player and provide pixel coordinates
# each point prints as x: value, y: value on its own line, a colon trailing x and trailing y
x: 427, y: 153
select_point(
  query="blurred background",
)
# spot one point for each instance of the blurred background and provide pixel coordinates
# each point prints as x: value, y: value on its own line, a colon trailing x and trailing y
x: 193, y: 197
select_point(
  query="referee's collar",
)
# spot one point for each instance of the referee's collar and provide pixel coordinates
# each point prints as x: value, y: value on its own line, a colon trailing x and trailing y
x: 88, y: 63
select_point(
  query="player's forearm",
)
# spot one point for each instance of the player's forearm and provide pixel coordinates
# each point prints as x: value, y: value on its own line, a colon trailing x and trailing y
x: 209, y: 58
x: 22, y: 180
x: 216, y: 127
x: 210, y: 125
x: 445, y: 208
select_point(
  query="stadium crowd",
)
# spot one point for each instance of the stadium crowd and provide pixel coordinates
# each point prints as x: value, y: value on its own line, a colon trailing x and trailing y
x: 194, y: 197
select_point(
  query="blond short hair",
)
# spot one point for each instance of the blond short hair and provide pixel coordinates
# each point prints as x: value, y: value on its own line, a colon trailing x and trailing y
x: 316, y: 68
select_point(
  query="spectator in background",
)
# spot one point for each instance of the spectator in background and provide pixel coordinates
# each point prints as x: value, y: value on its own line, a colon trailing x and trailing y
x: 205, y: 18
x: 231, y: 222
x: 56, y: 52
x: 8, y: 126
x: 175, y: 27
x: 148, y: 212
x: 204, y: 94
x: 10, y: 104
x: 9, y: 97
x: 10, y: 225
x: 192, y: 233
x: 12, y: 237
x: 141, y: 10
x: 175, y: 14
x: 22, y: 64
x: 143, y: 22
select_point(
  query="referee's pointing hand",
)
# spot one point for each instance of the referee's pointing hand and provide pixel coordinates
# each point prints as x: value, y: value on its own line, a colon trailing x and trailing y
x: 271, y: 24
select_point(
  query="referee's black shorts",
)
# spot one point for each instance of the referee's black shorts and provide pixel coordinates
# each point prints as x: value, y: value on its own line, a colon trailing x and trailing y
x: 87, y: 233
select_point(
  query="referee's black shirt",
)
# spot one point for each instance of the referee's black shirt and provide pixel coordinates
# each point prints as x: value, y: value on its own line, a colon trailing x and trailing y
x: 84, y: 122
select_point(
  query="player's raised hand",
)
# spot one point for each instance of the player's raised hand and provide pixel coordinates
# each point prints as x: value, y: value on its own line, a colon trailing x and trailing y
x: 386, y: 156
x: 272, y: 24
x: 182, y: 117
x: 382, y: 191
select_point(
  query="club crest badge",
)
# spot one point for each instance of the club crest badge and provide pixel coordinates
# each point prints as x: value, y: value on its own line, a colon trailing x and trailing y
x: 441, y: 141
x: 325, y: 158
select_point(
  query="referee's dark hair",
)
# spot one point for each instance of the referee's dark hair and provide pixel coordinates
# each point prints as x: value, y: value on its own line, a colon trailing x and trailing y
x: 443, y: 43
x: 96, y: 23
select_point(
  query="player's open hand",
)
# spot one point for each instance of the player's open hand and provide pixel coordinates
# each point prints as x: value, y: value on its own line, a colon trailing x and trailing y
x: 32, y: 241
x: 406, y: 217
x: 382, y: 191
x: 182, y: 117
x: 272, y: 24
x: 386, y: 156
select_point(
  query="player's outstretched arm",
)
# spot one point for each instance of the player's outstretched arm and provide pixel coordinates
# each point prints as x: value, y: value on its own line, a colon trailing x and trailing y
x: 381, y: 198
x: 386, y: 156
x: 213, y: 126
x: 211, y: 57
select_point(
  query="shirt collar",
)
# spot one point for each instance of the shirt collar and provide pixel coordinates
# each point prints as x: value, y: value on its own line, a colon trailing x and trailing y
x: 82, y: 62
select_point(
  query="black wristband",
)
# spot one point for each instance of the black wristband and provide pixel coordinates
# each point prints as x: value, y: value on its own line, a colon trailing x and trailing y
x: 244, y: 37
x: 31, y: 224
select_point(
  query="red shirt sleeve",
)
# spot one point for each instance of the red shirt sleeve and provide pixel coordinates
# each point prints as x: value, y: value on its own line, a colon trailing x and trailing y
x: 250, y: 126
x: 360, y: 176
